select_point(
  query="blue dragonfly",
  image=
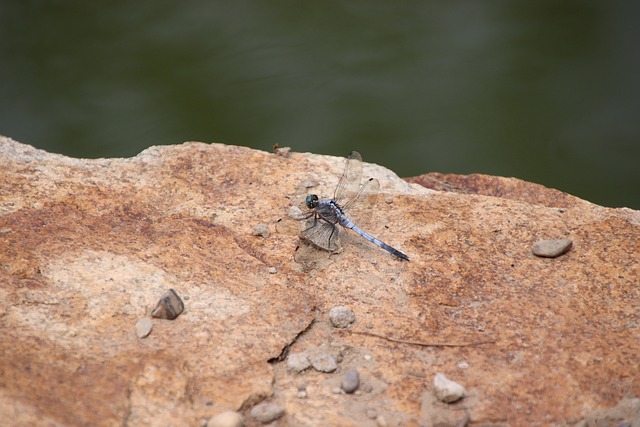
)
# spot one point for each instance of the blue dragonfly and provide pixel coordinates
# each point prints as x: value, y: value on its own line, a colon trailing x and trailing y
x: 321, y: 227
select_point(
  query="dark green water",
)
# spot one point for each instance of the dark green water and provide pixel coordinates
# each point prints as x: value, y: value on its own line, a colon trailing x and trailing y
x: 547, y: 91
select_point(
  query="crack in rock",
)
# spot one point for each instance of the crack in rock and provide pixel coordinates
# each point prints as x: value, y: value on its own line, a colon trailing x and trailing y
x: 285, y: 350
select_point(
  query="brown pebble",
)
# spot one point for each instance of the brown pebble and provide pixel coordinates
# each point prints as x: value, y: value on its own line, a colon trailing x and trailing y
x: 169, y: 307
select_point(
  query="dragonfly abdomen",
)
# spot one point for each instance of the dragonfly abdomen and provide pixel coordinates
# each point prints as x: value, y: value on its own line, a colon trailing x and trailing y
x: 373, y: 240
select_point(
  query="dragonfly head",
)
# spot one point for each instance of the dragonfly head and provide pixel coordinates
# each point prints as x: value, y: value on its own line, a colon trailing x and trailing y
x: 311, y: 201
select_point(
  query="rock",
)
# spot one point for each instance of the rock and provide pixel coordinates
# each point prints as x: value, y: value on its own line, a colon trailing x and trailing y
x: 226, y: 419
x: 323, y: 362
x: 350, y: 381
x: 447, y: 391
x: 143, y: 327
x: 341, y: 317
x: 551, y: 248
x: 85, y: 242
x: 267, y: 412
x: 169, y: 307
x: 298, y: 362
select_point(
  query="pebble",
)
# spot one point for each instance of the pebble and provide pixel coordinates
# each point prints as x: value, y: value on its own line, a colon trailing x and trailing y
x: 446, y: 390
x: 551, y: 248
x: 341, y: 316
x: 225, y: 419
x: 273, y: 270
x: 267, y: 412
x: 261, y: 230
x: 350, y: 381
x: 463, y: 365
x: 298, y: 362
x: 324, y: 363
x: 143, y: 327
x: 169, y: 307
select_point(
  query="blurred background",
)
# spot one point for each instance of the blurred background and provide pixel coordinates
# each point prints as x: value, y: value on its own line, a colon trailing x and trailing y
x: 546, y: 91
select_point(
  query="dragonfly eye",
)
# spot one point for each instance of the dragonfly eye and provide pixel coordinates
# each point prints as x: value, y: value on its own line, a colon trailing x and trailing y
x: 311, y: 201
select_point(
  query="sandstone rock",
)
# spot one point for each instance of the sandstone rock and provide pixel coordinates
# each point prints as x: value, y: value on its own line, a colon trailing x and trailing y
x: 85, y: 244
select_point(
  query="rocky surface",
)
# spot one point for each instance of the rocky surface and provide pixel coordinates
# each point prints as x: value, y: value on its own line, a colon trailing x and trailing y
x: 88, y: 246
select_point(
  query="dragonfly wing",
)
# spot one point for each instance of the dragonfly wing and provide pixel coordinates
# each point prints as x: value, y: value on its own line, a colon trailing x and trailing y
x: 363, y: 209
x: 322, y: 234
x: 349, y: 183
x: 365, y: 198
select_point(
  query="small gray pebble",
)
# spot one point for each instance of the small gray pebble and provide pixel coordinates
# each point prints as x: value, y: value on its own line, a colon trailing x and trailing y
x: 463, y: 365
x: 169, y: 307
x: 226, y: 419
x: 261, y: 230
x: 324, y: 363
x: 341, y: 317
x: 298, y: 362
x: 551, y: 248
x: 350, y: 381
x: 267, y: 412
x: 447, y: 391
x: 144, y: 327
x: 273, y: 270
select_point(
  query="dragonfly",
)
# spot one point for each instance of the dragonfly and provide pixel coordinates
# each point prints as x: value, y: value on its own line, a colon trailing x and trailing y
x: 321, y: 227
